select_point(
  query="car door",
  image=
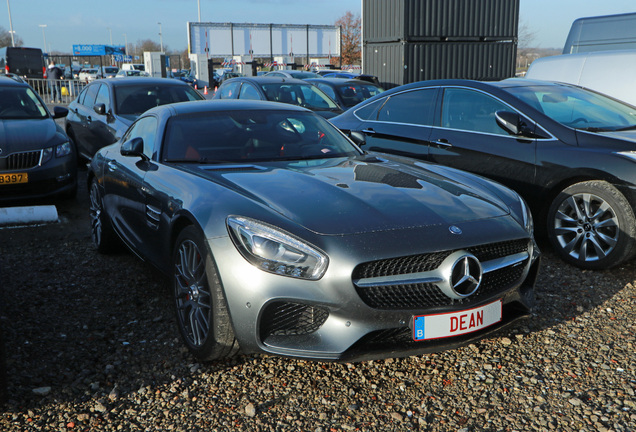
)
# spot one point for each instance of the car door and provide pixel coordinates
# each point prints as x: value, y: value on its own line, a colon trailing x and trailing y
x: 401, y: 123
x: 470, y: 139
x: 124, y: 196
x: 81, y: 116
x: 100, y: 127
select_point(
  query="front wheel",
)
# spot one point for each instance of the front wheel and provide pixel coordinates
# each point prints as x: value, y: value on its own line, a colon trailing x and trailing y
x: 592, y: 225
x: 202, y: 311
x: 104, y: 237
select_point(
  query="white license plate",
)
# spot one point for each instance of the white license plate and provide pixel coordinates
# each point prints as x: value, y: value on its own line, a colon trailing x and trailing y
x: 456, y: 323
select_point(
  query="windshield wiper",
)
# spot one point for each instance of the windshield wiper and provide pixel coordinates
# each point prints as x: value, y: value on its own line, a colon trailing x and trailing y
x: 626, y: 128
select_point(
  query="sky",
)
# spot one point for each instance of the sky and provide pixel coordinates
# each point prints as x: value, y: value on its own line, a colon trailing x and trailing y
x: 73, y: 22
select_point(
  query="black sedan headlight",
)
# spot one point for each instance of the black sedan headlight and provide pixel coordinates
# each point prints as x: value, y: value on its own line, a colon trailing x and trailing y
x: 276, y: 251
x: 59, y: 151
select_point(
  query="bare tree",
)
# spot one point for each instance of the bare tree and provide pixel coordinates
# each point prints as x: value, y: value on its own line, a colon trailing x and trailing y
x: 350, y: 35
x: 5, y: 38
x: 147, y: 45
x: 526, y: 36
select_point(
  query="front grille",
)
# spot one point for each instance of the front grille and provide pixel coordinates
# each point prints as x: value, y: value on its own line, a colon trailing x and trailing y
x: 425, y: 295
x: 291, y: 319
x: 20, y: 161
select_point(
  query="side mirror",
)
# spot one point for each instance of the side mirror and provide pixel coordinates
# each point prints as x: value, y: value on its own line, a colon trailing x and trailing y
x: 133, y: 147
x: 512, y: 123
x: 59, y: 112
x: 358, y: 138
x: 99, y: 108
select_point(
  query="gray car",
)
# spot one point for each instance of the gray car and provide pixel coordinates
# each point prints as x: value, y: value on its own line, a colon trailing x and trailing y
x: 281, y: 236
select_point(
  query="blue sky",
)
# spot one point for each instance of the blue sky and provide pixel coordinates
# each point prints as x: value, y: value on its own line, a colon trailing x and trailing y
x: 70, y: 22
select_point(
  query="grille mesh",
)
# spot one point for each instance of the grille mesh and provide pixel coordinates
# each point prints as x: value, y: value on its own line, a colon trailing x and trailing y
x: 417, y: 296
x: 287, y: 319
x: 22, y: 160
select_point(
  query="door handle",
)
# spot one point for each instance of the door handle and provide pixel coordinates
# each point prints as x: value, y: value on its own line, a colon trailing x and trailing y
x: 89, y: 119
x: 368, y: 131
x: 112, y: 166
x: 442, y: 142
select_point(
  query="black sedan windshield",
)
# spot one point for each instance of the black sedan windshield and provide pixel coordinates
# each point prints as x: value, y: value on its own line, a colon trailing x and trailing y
x: 20, y: 103
x: 577, y: 108
x: 244, y: 136
x: 138, y: 99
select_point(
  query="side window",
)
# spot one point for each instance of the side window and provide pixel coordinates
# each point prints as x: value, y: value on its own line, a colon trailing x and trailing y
x: 327, y: 89
x: 370, y: 111
x: 146, y: 129
x: 91, y: 94
x: 471, y: 111
x: 103, y: 97
x: 229, y: 90
x: 413, y: 107
x: 248, y: 91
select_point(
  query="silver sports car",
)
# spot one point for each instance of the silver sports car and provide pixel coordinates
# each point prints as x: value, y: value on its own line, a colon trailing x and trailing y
x: 281, y: 236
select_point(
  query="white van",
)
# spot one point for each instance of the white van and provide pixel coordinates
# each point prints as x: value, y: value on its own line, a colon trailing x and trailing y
x: 608, y: 72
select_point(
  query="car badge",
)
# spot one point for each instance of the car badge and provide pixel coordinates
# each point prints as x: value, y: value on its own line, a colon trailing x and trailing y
x: 460, y: 275
x: 455, y: 230
x: 0, y: 151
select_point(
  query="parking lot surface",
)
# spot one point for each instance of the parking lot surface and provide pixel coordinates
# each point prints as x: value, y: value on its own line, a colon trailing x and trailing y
x: 92, y: 344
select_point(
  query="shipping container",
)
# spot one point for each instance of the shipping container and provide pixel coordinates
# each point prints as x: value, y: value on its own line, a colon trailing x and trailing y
x: 399, y: 63
x: 439, y: 20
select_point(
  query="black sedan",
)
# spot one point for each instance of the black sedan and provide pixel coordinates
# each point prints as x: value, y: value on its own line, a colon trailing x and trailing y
x: 569, y: 151
x: 103, y: 111
x: 275, y: 89
x: 281, y: 236
x: 347, y: 92
x: 36, y: 158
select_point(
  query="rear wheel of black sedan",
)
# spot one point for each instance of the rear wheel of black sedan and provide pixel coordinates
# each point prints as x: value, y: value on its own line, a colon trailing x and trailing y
x: 104, y: 237
x: 592, y: 225
x: 202, y: 311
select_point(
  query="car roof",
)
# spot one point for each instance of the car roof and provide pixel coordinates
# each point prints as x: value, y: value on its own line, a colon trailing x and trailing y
x: 6, y: 81
x: 339, y: 81
x: 217, y: 105
x: 139, y: 81
x: 269, y: 80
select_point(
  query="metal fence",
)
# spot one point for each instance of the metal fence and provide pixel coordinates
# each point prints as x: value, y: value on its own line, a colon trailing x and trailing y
x: 66, y: 89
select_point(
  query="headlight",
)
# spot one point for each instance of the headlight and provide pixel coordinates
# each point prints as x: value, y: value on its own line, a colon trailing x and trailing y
x: 47, y: 154
x: 275, y: 251
x: 63, y: 149
x: 631, y: 155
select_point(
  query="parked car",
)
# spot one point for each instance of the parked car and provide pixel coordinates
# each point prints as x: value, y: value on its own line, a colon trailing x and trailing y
x: 350, y: 75
x: 346, y: 92
x: 108, y: 72
x: 281, y: 236
x: 104, y: 109
x: 123, y: 73
x: 22, y: 61
x: 569, y: 151
x: 276, y: 89
x: 36, y: 158
x: 298, y: 74
x: 134, y: 66
x: 185, y: 76
x: 88, y: 74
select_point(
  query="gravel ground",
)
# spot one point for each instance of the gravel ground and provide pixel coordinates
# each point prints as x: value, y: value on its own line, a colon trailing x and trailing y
x: 92, y: 345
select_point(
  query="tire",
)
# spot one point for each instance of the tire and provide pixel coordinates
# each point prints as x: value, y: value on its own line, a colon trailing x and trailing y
x: 592, y: 225
x: 104, y: 237
x: 200, y: 304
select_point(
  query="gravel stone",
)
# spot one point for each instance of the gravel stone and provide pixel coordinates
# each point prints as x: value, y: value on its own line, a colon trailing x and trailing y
x: 92, y: 345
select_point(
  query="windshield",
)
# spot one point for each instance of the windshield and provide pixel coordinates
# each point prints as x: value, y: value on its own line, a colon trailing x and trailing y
x: 138, y: 99
x: 578, y: 108
x: 20, y: 103
x: 247, y: 136
x: 305, y: 95
x: 354, y: 93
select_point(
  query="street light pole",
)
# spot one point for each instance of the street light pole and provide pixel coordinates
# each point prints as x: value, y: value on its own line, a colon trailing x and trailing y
x: 126, y: 46
x: 11, y: 25
x: 110, y: 31
x: 198, y: 4
x: 43, y: 35
x: 160, y: 36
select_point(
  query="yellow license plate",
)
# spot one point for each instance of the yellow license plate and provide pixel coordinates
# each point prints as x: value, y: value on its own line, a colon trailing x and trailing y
x: 14, y: 178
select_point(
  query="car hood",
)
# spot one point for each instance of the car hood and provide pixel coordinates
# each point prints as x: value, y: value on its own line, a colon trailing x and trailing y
x: 629, y: 135
x: 25, y: 135
x: 353, y: 195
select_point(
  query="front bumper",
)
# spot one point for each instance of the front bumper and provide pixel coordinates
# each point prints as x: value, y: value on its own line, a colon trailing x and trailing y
x: 332, y: 320
x: 57, y: 176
